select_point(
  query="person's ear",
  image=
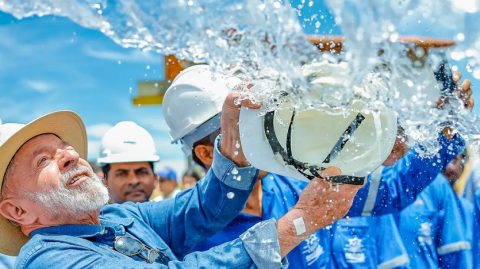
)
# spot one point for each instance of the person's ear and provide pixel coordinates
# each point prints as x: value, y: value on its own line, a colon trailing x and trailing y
x: 13, y: 210
x: 205, y: 154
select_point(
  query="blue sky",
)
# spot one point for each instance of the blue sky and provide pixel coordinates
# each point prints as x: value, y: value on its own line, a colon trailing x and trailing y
x: 50, y: 63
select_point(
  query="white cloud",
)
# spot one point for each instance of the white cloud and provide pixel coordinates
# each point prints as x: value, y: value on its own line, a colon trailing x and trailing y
x: 158, y: 124
x: 98, y: 130
x: 40, y: 86
x: 133, y: 56
x: 93, y: 149
x: 24, y: 110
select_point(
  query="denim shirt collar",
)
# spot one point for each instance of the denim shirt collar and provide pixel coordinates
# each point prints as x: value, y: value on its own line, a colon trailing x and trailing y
x: 114, y: 227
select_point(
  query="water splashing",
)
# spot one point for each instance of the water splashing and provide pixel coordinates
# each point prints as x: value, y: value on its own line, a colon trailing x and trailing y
x: 262, y: 42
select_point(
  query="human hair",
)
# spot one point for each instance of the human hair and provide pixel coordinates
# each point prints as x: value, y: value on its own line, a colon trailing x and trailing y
x: 208, y: 140
x: 5, y: 179
x: 106, y: 169
x: 192, y: 172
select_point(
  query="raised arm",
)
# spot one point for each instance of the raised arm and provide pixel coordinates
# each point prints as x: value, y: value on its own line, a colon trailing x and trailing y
x: 398, y: 186
x: 198, y: 213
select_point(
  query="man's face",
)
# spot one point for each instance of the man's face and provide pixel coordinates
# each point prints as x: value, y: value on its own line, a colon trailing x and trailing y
x: 398, y: 151
x: 130, y: 182
x: 188, y: 182
x: 47, y: 177
x: 454, y: 169
x: 167, y: 186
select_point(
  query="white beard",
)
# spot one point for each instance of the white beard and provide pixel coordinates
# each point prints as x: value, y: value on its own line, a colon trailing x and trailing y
x: 86, y: 198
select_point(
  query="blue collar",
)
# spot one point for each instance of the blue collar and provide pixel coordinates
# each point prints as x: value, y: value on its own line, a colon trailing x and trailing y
x: 115, y: 227
x: 268, y: 182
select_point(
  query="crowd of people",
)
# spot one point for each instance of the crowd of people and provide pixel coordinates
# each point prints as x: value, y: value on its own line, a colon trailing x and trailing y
x: 59, y: 211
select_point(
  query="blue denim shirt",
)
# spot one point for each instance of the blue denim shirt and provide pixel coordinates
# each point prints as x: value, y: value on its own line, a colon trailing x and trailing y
x: 6, y: 262
x: 173, y: 226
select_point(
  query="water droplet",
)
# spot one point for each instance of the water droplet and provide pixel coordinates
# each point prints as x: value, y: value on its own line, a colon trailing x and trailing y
x: 237, y: 144
x: 230, y: 195
x: 460, y: 37
x: 476, y: 73
x: 234, y: 171
x: 469, y: 68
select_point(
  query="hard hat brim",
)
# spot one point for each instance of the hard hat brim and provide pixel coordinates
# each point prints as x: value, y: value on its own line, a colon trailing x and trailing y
x: 127, y: 158
x: 373, y: 148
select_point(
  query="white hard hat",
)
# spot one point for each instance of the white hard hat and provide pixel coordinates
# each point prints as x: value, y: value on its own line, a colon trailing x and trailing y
x: 193, y: 102
x: 299, y: 144
x: 127, y: 142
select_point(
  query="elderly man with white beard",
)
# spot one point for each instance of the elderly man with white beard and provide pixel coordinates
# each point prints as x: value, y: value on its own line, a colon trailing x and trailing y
x: 52, y: 206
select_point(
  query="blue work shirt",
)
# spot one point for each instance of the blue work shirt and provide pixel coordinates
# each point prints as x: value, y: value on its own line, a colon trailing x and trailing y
x: 368, y: 242
x: 476, y: 230
x: 173, y: 226
x: 395, y: 187
x: 279, y: 194
x: 466, y: 209
x: 432, y: 228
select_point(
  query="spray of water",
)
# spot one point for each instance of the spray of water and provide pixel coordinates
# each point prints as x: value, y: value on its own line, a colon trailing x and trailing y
x: 262, y: 42
x: 373, y: 26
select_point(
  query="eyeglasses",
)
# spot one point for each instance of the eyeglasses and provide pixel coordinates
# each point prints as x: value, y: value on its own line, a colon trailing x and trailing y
x: 312, y: 171
x: 131, y: 246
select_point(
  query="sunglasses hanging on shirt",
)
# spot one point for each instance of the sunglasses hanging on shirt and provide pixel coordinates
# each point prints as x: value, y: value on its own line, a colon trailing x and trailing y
x: 130, y: 246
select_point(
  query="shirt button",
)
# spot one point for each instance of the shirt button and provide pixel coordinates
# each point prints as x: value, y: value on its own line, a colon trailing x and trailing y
x: 230, y: 195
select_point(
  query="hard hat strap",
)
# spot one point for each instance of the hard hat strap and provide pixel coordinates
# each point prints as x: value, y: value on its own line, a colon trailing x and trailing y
x: 302, y: 167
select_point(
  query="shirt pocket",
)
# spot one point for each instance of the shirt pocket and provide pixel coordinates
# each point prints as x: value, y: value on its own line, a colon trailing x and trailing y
x: 353, y: 244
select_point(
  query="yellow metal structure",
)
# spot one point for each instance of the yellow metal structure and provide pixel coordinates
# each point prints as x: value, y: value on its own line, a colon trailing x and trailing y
x: 152, y: 92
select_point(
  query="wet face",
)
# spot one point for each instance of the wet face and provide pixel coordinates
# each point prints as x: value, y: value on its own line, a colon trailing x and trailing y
x: 398, y: 151
x: 454, y: 169
x: 130, y: 182
x: 167, y: 186
x: 47, y: 179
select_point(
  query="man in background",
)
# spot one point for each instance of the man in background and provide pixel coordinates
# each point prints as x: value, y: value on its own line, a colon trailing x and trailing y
x: 127, y: 158
x: 167, y: 183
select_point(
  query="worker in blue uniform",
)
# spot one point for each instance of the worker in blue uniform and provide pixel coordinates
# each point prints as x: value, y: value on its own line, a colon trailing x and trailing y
x: 476, y: 230
x: 454, y: 170
x: 432, y: 228
x: 274, y: 195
